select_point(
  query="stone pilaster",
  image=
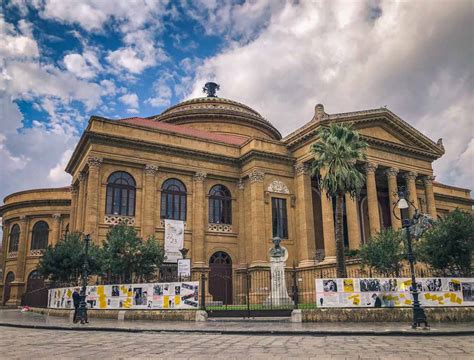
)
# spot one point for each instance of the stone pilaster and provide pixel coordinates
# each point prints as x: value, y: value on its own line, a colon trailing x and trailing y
x: 242, y: 243
x: 55, y: 233
x: 73, y: 214
x: 92, y: 208
x: 429, y: 193
x: 393, y: 197
x: 410, y: 180
x: 306, y: 243
x: 81, y: 201
x: 22, y: 249
x: 372, y: 200
x: 199, y: 221
x: 353, y: 227
x: 257, y: 234
x: 148, y: 228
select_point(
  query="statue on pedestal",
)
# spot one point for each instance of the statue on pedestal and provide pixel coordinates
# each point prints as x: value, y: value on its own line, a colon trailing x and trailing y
x: 278, y: 256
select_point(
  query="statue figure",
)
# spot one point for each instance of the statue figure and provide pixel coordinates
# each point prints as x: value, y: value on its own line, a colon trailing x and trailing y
x: 210, y: 88
x: 277, y: 251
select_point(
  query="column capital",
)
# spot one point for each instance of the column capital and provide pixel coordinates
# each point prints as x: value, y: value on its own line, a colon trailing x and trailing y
x: 410, y: 176
x: 240, y: 184
x: 81, y: 176
x: 94, y: 161
x: 151, y: 169
x: 23, y: 218
x: 56, y: 217
x: 73, y: 189
x: 302, y: 169
x: 256, y: 176
x: 200, y: 176
x: 370, y: 167
x: 428, y: 180
x: 391, y: 172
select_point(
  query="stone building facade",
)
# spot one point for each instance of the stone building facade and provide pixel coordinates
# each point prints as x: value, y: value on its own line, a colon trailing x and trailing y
x: 224, y: 170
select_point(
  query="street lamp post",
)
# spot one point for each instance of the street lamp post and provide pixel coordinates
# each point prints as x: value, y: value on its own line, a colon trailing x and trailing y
x: 85, y: 269
x: 419, y: 316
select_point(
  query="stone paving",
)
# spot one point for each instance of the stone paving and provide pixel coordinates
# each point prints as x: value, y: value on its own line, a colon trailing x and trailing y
x: 18, y: 343
x: 15, y: 317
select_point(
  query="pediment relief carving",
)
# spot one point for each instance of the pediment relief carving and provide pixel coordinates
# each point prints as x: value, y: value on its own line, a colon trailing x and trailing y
x: 279, y: 187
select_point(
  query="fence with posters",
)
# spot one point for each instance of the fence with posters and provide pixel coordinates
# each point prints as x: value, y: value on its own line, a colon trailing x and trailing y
x: 173, y: 295
x: 393, y: 292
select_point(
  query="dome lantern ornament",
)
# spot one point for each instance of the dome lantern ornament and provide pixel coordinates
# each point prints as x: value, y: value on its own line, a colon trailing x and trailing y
x: 210, y: 88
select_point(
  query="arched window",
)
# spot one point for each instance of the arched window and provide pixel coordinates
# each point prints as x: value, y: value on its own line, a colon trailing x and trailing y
x: 14, y: 238
x: 39, y: 238
x: 220, y: 205
x: 173, y: 200
x: 120, y: 194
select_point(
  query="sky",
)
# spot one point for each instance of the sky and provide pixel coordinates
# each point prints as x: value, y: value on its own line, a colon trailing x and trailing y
x: 62, y: 61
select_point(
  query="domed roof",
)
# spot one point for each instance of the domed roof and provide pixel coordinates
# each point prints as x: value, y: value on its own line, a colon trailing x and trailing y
x: 213, y: 113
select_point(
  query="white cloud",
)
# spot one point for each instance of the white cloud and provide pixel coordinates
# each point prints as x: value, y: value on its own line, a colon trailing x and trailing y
x: 163, y: 93
x: 15, y: 45
x: 108, y: 87
x: 130, y: 100
x: 83, y: 66
x: 57, y: 173
x: 415, y: 57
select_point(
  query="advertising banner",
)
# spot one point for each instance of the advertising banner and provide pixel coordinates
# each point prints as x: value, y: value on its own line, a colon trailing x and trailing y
x: 393, y: 292
x: 175, y: 295
x: 174, y: 240
x: 184, y: 267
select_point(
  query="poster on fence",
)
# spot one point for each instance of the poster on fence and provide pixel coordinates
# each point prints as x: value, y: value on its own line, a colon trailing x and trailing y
x: 174, y: 240
x: 393, y: 292
x: 175, y: 295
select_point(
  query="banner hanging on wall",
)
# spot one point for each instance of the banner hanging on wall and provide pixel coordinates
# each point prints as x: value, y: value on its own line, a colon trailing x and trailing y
x: 393, y: 292
x: 175, y: 295
x: 174, y: 240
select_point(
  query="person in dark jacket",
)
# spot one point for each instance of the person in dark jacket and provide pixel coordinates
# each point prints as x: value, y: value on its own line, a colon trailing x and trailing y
x: 76, y: 300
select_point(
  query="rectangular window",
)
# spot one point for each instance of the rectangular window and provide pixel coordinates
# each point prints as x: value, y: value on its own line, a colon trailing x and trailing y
x: 279, y: 218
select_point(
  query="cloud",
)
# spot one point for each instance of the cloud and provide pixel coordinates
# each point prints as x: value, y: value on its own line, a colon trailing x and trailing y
x: 163, y: 92
x: 130, y: 100
x: 84, y: 66
x: 414, y: 57
x: 15, y: 45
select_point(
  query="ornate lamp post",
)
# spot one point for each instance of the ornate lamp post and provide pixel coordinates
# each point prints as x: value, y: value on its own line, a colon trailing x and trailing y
x: 419, y: 316
x: 85, y: 268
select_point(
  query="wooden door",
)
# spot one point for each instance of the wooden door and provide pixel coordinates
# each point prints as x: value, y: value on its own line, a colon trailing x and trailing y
x: 220, y: 277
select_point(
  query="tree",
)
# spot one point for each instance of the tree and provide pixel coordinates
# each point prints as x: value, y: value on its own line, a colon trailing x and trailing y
x: 448, y: 247
x: 384, y: 252
x: 127, y: 258
x: 63, y: 263
x: 335, y: 157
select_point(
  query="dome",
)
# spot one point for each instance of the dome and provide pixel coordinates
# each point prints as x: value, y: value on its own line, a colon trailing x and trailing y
x: 221, y: 116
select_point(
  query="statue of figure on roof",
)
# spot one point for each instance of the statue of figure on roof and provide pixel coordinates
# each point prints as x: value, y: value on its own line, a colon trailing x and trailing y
x: 210, y: 88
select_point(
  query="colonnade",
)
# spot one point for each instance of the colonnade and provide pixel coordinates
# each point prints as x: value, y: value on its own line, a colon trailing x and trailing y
x: 306, y: 237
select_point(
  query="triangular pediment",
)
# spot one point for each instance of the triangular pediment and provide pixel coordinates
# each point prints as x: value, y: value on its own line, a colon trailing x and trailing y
x: 378, y: 132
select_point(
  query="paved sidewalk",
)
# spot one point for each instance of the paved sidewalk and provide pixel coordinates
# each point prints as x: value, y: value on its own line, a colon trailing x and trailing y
x: 274, y: 326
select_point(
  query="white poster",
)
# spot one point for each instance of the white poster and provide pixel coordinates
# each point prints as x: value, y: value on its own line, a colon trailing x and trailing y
x: 175, y: 295
x: 174, y: 240
x: 393, y: 292
x: 184, y: 267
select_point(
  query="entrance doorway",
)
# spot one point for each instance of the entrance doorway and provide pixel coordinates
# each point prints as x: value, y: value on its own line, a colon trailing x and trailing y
x: 36, y: 293
x: 220, y: 277
x: 6, y: 293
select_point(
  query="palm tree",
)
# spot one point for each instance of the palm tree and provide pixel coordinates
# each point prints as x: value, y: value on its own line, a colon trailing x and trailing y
x: 335, y: 156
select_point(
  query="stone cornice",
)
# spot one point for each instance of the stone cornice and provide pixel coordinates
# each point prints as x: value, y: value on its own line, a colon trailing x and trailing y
x: 33, y: 203
x: 455, y: 199
x: 255, y: 154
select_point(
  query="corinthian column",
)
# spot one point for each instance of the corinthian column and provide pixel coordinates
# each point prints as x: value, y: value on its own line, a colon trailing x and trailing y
x: 199, y: 204
x: 92, y: 208
x: 242, y: 244
x: 257, y: 211
x: 79, y: 223
x: 410, y: 179
x: 372, y: 200
x: 73, y: 212
x: 429, y: 193
x: 305, y: 220
x: 149, y: 202
x: 393, y: 197
x: 353, y: 227
x: 55, y: 229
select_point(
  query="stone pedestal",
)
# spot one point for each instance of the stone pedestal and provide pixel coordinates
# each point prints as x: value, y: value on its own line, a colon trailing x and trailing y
x: 279, y: 294
x: 16, y: 291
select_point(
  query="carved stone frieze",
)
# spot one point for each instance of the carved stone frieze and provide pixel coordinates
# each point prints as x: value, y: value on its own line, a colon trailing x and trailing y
x: 277, y: 186
x: 256, y: 176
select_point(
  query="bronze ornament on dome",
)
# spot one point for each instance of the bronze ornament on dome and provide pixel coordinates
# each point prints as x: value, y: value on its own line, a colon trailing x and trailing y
x: 210, y: 88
